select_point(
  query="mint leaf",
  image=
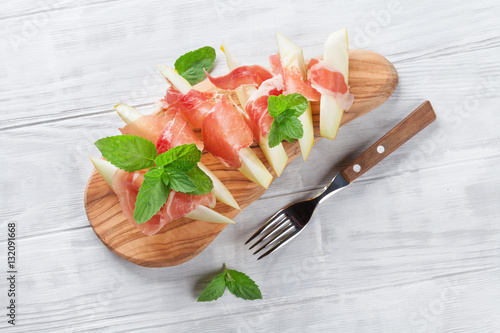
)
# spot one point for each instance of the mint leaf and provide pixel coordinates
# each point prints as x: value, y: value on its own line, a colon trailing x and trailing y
x: 276, y: 105
x: 292, y: 128
x: 240, y: 285
x: 154, y: 173
x: 182, y: 158
x: 297, y: 102
x: 285, y: 109
x: 152, y: 195
x: 201, y: 180
x: 190, y: 65
x: 215, y: 289
x: 180, y: 182
x: 165, y: 178
x: 275, y: 135
x: 128, y: 152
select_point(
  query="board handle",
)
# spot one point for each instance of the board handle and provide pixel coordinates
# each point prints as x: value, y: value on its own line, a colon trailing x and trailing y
x: 404, y: 131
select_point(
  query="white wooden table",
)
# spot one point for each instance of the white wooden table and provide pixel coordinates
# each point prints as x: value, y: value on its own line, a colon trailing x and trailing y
x: 413, y: 246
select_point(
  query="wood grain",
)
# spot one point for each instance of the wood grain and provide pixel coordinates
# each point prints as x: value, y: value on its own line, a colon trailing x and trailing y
x: 372, y: 78
x: 404, y: 131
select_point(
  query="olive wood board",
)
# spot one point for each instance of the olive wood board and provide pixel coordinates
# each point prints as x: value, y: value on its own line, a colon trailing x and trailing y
x: 372, y: 80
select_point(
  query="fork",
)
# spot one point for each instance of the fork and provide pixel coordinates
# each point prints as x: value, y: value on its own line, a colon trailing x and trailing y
x: 288, y: 222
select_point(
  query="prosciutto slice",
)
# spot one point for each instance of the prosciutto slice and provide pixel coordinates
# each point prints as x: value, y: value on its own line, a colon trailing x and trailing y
x: 275, y: 62
x: 327, y: 80
x: 240, y: 76
x: 179, y: 204
x: 292, y: 79
x: 175, y: 133
x: 194, y: 105
x: 225, y: 133
x: 256, y: 107
x: 126, y: 186
x: 150, y: 126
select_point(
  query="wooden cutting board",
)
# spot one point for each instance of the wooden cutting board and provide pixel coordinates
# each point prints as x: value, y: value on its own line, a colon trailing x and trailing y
x: 372, y: 80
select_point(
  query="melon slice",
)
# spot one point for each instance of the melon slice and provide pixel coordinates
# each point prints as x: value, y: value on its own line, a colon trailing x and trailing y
x: 206, y: 214
x: 291, y: 56
x: 253, y: 169
x: 276, y: 156
x: 177, y: 81
x: 336, y: 55
x: 127, y: 113
x: 105, y: 168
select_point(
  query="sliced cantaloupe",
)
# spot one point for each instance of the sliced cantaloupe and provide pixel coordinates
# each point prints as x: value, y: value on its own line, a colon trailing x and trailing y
x: 253, y: 169
x: 206, y: 214
x: 291, y: 56
x: 336, y: 55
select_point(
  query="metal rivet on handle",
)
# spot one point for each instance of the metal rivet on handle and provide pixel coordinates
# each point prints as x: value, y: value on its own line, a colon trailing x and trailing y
x: 356, y: 168
x: 380, y: 149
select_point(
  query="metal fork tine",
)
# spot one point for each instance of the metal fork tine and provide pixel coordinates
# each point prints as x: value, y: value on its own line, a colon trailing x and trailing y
x: 276, y: 238
x: 277, y: 227
x: 276, y: 217
x: 282, y: 242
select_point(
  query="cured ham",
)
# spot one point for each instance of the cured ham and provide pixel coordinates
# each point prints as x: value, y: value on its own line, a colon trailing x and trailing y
x: 240, y: 76
x: 256, y: 107
x: 275, y: 62
x: 292, y: 79
x: 179, y: 205
x: 175, y: 133
x: 225, y: 133
x: 150, y: 126
x: 194, y: 105
x: 328, y: 80
x: 126, y: 186
x: 294, y: 84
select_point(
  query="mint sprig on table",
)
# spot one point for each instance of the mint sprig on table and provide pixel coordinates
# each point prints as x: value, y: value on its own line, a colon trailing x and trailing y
x: 176, y: 169
x: 285, y: 109
x: 190, y: 65
x: 239, y: 284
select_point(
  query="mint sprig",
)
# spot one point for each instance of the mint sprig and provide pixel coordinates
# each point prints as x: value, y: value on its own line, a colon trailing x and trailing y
x: 285, y: 109
x: 190, y: 65
x: 239, y: 284
x: 176, y: 169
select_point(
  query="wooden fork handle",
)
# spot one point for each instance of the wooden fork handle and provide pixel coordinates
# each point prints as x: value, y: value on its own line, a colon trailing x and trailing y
x: 404, y: 131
